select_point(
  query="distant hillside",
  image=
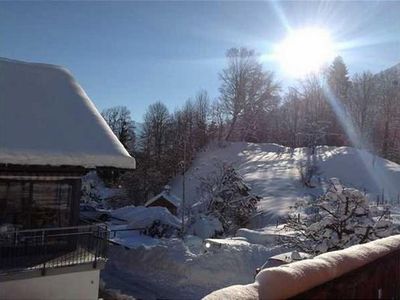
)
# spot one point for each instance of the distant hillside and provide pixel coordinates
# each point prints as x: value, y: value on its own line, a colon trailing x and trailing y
x: 271, y: 171
x: 392, y: 70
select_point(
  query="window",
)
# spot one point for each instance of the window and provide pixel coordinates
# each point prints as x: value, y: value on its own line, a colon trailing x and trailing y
x: 14, y: 199
x: 36, y: 204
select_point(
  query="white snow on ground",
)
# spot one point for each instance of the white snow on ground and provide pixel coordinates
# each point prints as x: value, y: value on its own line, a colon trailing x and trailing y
x: 131, y: 239
x: 290, y: 280
x: 169, y: 268
x: 183, y: 270
x: 271, y: 171
x: 264, y: 236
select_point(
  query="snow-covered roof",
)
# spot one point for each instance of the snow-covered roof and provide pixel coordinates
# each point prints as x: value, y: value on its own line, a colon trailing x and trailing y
x: 46, y: 118
x: 167, y: 196
x: 141, y: 217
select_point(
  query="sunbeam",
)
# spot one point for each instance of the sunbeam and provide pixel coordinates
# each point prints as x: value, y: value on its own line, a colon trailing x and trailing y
x: 281, y: 14
x: 356, y: 141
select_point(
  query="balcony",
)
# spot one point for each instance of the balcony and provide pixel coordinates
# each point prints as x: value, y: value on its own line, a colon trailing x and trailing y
x: 45, y: 250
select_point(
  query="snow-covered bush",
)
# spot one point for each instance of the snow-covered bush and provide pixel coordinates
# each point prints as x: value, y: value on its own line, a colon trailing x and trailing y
x: 90, y: 188
x: 308, y: 170
x: 206, y: 226
x: 337, y: 220
x: 228, y: 198
x: 160, y: 229
x: 95, y: 193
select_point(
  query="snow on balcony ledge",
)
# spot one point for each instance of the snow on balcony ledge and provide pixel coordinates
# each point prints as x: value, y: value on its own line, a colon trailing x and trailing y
x: 290, y: 280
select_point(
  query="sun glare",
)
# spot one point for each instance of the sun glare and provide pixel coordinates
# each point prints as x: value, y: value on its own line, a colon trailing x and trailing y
x: 304, y: 51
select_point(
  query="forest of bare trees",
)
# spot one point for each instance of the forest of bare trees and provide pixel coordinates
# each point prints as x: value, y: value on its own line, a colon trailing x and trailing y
x: 327, y: 108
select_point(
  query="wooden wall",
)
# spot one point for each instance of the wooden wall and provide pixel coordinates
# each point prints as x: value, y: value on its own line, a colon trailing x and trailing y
x: 377, y: 280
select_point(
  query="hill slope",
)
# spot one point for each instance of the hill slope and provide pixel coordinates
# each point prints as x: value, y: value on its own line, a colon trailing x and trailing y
x: 271, y: 171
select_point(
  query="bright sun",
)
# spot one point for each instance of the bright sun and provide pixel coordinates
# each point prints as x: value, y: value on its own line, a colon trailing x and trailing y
x: 305, y: 51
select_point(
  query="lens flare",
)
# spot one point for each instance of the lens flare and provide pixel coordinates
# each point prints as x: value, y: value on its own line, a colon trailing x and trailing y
x: 377, y: 173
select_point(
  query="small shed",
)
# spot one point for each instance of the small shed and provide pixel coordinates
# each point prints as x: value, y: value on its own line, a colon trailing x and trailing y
x: 165, y: 199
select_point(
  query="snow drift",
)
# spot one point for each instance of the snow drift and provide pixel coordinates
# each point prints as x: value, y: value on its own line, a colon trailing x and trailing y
x: 206, y: 226
x: 177, y: 269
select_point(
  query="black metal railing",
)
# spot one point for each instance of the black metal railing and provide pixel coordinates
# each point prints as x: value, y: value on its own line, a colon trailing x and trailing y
x: 41, y: 249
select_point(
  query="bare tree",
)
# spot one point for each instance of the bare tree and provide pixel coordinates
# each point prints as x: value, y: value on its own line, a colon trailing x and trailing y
x: 363, y: 106
x: 155, y: 128
x: 201, y: 116
x: 290, y: 114
x: 226, y: 196
x: 216, y: 128
x: 246, y: 89
x: 120, y: 121
x: 389, y: 100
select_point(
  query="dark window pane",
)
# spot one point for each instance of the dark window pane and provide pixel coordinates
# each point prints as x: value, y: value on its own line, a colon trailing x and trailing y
x: 35, y: 204
x: 14, y: 196
x: 51, y: 205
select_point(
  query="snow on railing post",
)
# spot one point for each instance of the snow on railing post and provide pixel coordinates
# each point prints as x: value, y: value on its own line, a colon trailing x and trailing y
x: 44, y: 251
x: 97, y: 238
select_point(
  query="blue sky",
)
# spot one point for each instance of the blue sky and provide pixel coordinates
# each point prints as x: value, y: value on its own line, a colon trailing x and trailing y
x: 135, y: 53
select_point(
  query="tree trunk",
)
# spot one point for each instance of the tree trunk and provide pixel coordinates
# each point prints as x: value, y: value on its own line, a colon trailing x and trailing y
x: 385, y: 139
x: 231, y: 128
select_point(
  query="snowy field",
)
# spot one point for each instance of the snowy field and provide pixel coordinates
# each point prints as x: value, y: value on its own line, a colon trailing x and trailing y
x: 272, y: 173
x: 153, y: 268
x: 183, y: 270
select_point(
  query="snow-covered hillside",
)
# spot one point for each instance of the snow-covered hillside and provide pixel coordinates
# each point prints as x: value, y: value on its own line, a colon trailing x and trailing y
x: 272, y: 172
x: 187, y: 269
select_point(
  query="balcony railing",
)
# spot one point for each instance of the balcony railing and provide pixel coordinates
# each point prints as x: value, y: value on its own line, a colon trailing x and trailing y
x: 42, y: 249
x: 366, y: 271
x: 379, y: 279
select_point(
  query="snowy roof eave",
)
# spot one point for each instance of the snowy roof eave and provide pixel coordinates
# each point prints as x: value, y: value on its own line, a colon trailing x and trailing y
x: 46, y: 118
x: 170, y: 198
x: 75, y: 160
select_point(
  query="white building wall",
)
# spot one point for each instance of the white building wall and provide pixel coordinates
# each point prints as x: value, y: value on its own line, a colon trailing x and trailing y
x: 71, y: 286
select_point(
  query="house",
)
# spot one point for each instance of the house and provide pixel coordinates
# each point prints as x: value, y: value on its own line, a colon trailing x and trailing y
x: 165, y: 199
x: 50, y: 136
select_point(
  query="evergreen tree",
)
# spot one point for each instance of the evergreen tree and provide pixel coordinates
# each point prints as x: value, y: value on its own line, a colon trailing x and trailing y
x: 339, y: 85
